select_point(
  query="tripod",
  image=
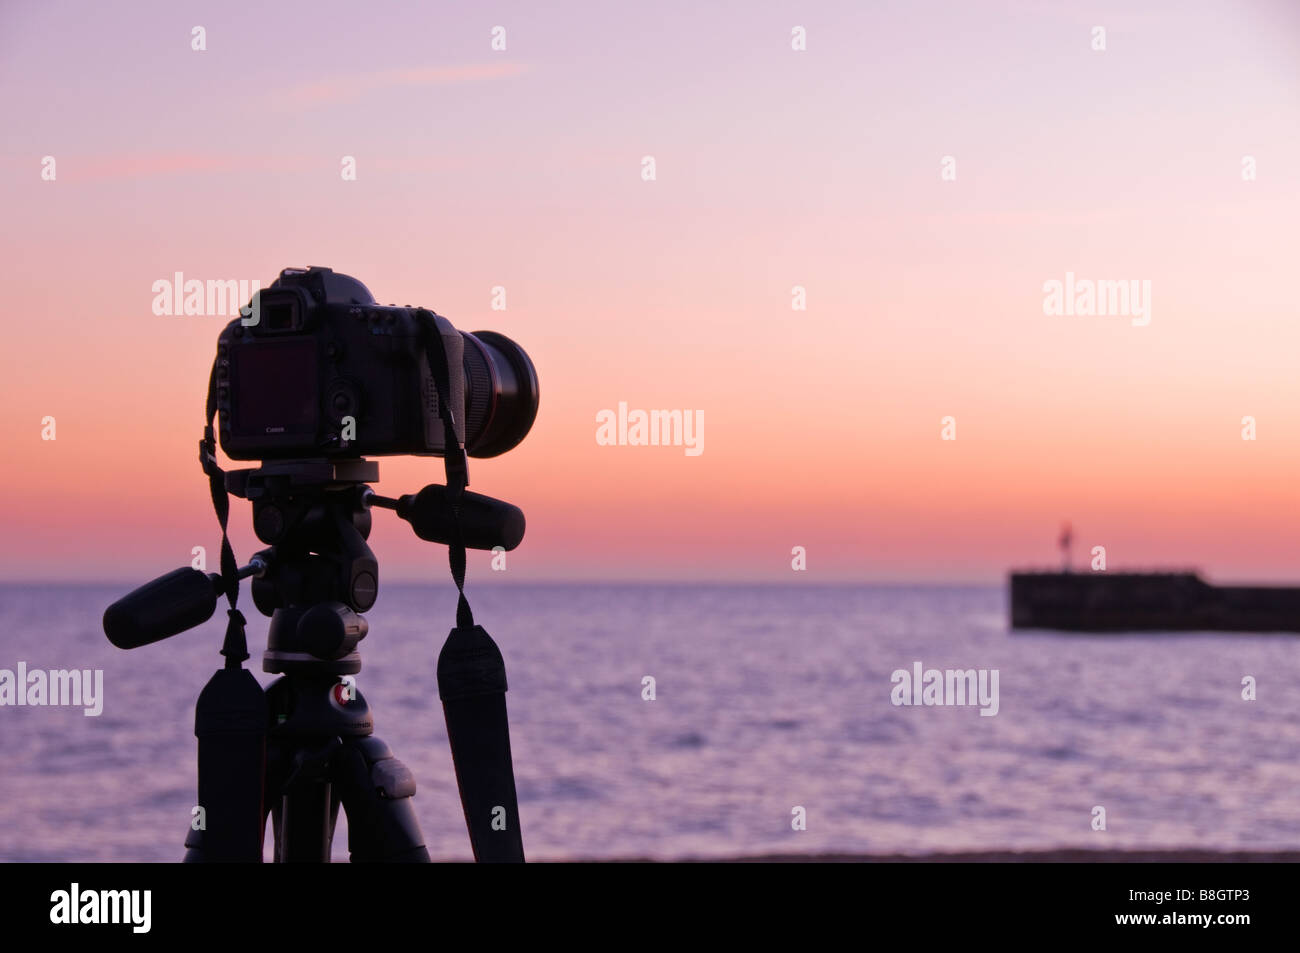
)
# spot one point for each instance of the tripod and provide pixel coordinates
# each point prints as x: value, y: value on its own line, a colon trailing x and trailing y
x: 305, y: 746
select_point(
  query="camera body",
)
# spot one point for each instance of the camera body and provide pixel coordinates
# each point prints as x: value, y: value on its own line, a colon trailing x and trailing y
x: 315, y: 368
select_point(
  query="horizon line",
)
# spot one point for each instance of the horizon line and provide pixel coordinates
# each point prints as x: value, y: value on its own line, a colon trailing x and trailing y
x: 412, y: 581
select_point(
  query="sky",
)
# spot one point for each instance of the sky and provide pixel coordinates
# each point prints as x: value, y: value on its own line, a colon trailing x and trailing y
x: 920, y: 169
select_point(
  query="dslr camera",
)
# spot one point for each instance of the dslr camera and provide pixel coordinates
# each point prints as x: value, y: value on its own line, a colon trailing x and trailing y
x: 315, y: 368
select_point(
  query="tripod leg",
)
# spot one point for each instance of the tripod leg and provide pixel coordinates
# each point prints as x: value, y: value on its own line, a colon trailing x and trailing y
x: 304, y: 802
x: 376, y: 790
x: 305, y: 823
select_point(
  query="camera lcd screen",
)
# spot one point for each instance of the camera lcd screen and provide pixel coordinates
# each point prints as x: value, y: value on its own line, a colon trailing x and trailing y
x: 277, y: 390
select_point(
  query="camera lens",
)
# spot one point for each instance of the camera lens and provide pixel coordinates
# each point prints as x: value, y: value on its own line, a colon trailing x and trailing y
x: 501, y: 393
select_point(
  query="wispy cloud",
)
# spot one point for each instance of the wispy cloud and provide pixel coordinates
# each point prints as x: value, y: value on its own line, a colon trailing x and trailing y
x: 79, y: 169
x: 343, y: 89
x: 152, y: 165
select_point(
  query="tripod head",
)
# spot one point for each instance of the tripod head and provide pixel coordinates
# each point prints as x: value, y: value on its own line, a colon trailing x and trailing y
x: 314, y: 579
x: 316, y: 517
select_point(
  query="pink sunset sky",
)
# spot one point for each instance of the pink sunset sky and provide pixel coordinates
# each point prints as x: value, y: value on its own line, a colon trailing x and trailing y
x: 775, y: 168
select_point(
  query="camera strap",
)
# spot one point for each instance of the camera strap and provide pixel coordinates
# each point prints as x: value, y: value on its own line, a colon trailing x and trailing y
x: 230, y: 719
x: 471, y: 671
x: 235, y: 648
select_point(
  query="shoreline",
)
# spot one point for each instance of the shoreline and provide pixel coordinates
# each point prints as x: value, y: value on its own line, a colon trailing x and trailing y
x: 1073, y: 855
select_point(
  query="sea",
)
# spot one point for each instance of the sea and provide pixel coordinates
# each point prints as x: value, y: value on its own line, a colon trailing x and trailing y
x: 770, y: 725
